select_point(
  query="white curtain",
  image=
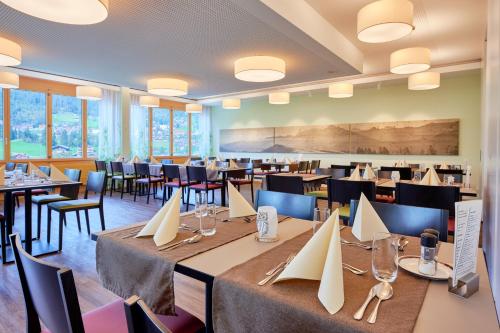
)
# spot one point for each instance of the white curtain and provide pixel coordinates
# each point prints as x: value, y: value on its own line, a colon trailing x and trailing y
x: 139, y: 128
x: 205, y: 126
x: 109, y: 125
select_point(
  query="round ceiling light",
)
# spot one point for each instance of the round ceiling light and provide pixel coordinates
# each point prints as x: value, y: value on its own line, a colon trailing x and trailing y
x: 89, y: 93
x: 340, y: 90
x: 231, y: 103
x: 10, y: 53
x: 167, y: 87
x: 259, y: 69
x: 410, y: 60
x: 279, y: 98
x: 79, y: 12
x: 149, y: 101
x: 9, y: 80
x: 424, y: 81
x: 194, y: 108
x: 385, y: 20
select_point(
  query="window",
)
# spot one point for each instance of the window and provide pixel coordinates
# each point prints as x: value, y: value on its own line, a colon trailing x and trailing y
x: 28, y: 124
x: 66, y: 127
x: 181, y: 133
x: 92, y: 128
x: 2, y: 153
x: 139, y: 131
x: 196, y: 134
x: 161, y: 132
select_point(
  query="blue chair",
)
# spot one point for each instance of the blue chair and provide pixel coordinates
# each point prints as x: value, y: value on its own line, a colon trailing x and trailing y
x: 293, y: 205
x: 408, y: 220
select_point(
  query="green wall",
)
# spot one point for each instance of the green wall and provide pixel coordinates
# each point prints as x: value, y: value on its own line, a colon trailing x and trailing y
x: 458, y: 97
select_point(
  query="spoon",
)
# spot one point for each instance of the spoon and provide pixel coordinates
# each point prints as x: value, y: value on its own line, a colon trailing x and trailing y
x: 383, y: 293
x: 372, y: 293
x: 191, y: 240
x: 402, y: 242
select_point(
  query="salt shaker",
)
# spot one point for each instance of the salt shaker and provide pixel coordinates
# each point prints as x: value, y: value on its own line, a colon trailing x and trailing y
x: 427, y: 261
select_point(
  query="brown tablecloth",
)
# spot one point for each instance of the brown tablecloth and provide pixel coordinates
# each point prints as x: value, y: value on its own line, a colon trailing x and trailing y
x: 240, y: 305
x: 134, y: 266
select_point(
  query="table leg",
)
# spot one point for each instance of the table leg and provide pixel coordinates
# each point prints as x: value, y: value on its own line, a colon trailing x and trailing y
x: 7, y: 225
x: 223, y: 190
x: 208, y: 306
x: 27, y: 221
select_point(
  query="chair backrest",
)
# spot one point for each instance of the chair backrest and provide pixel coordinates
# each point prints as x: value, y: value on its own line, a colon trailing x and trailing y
x: 315, y: 164
x: 384, y: 174
x: 293, y: 167
x: 343, y: 190
x: 404, y: 172
x: 457, y: 174
x: 195, y: 158
x: 287, y: 184
x: 346, y: 168
x: 408, y: 220
x: 361, y: 164
x: 265, y: 167
x: 116, y: 168
x: 45, y: 169
x: 171, y: 171
x: 142, y: 170
x: 196, y: 174
x: 248, y: 168
x: 442, y: 197
x: 49, y: 293
x: 256, y: 163
x: 293, y: 205
x: 73, y: 174
x: 414, y: 165
x: 212, y: 158
x: 10, y: 166
x: 237, y: 174
x: 140, y: 318
x: 22, y: 166
x: 244, y: 160
x: 100, y: 166
x: 303, y: 166
x: 95, y: 183
x: 71, y: 191
x: 333, y: 173
x: 167, y: 161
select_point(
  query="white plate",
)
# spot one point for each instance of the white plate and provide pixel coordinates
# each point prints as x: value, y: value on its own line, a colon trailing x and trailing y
x: 410, y: 264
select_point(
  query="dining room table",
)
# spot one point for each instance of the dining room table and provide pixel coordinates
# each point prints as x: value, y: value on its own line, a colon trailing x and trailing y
x: 234, y: 301
x: 27, y: 185
x: 279, y: 166
x: 389, y: 184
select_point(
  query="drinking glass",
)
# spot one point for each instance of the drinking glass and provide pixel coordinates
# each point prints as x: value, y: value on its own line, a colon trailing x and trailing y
x: 395, y: 176
x: 320, y: 216
x: 385, y: 257
x: 417, y: 176
x: 209, y: 221
x: 200, y: 207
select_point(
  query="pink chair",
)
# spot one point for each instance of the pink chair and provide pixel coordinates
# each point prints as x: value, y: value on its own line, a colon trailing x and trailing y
x: 50, y: 297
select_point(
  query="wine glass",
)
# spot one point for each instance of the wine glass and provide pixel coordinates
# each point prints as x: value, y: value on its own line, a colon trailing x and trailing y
x: 385, y: 257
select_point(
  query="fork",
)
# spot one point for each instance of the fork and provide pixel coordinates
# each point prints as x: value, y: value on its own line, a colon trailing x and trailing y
x: 281, y: 267
x: 361, y: 245
x: 353, y: 269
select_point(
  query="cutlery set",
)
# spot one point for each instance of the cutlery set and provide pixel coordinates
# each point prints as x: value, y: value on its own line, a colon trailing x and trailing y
x: 361, y: 245
x: 275, y: 270
x: 353, y: 269
x: 190, y: 240
x: 383, y: 291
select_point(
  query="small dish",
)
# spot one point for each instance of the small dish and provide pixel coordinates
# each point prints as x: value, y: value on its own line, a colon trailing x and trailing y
x: 410, y: 264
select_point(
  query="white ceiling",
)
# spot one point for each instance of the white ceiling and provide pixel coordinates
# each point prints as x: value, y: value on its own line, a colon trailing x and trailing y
x: 195, y: 40
x: 454, y: 30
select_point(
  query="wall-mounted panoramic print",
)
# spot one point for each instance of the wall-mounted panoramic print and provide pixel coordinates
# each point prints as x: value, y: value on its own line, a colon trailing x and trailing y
x: 421, y: 137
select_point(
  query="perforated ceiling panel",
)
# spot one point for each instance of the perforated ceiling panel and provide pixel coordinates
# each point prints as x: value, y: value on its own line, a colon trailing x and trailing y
x: 196, y: 40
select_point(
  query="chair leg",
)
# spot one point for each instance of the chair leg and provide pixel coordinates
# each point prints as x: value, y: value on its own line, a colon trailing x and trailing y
x: 149, y: 190
x: 87, y: 220
x: 135, y: 191
x: 101, y: 214
x: 112, y: 187
x: 39, y: 221
x: 65, y: 223
x: 49, y: 223
x: 62, y: 217
x: 78, y: 220
x: 123, y: 188
x: 17, y: 201
x: 187, y: 202
x: 164, y: 196
x: 251, y: 190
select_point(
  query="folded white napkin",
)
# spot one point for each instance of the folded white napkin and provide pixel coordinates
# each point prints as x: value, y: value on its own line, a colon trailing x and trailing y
x: 187, y: 162
x: 2, y: 175
x: 136, y: 159
x: 165, y: 224
x: 238, y: 205
x: 367, y: 222
x: 38, y: 172
x: 233, y: 165
x: 119, y: 158
x: 212, y: 166
x: 154, y: 160
x: 57, y: 175
x: 355, y: 174
x: 321, y: 259
x: 444, y: 166
x: 430, y: 178
x: 368, y: 174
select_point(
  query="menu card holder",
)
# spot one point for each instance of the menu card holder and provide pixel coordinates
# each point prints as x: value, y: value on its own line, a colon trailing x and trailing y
x: 466, y: 286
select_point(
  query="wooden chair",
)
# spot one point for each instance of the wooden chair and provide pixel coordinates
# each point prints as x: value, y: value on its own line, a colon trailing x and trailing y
x: 167, y: 161
x: 314, y: 165
x: 286, y: 184
x: 69, y: 192
x: 198, y: 181
x: 343, y: 191
x: 288, y: 204
x: 143, y: 178
x: 95, y: 183
x: 404, y: 172
x: 441, y: 197
x: 303, y: 167
x: 242, y: 177
x: 408, y: 220
x: 50, y: 297
x: 10, y: 166
x: 101, y: 166
x: 117, y: 174
x: 172, y: 179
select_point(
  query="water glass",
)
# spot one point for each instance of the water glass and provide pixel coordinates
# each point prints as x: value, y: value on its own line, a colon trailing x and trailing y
x: 385, y: 257
x: 209, y: 221
x: 320, y: 216
x: 417, y: 176
x: 395, y: 176
x: 200, y: 206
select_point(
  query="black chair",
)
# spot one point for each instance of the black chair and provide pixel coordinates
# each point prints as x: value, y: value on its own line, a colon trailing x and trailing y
x: 68, y: 192
x: 441, y: 197
x: 143, y: 179
x: 404, y: 172
x: 408, y: 220
x: 172, y: 179
x: 346, y: 168
x: 286, y: 184
x: 244, y: 160
x: 333, y: 173
x: 457, y: 174
x: 10, y: 166
x: 95, y: 183
x: 117, y: 174
x: 242, y: 177
x: 101, y: 166
x: 198, y: 181
x: 361, y: 164
x: 22, y: 166
x: 343, y: 191
x: 50, y: 297
x: 288, y: 204
x: 314, y: 165
x: 167, y: 161
x: 45, y: 169
x: 303, y: 167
